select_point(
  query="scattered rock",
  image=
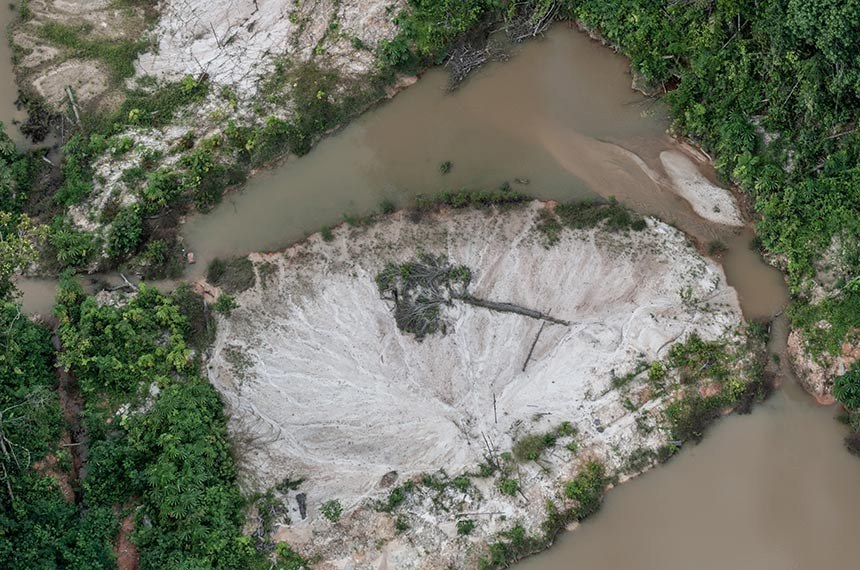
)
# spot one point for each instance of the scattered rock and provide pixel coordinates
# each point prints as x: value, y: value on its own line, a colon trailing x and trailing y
x: 388, y: 479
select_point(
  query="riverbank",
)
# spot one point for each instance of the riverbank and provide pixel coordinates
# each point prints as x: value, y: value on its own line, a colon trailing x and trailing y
x: 395, y: 429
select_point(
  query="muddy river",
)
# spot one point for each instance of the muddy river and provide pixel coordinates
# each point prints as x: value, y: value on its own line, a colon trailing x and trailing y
x: 9, y: 113
x: 774, y: 489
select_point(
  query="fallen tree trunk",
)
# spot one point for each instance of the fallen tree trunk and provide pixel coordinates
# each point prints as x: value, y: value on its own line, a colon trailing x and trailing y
x: 534, y: 344
x: 511, y: 308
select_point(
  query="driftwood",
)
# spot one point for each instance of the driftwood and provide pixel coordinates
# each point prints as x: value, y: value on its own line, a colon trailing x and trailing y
x: 479, y: 514
x: 74, y: 105
x: 465, y: 59
x: 126, y: 285
x: 495, y: 412
x: 301, y: 500
x: 490, y: 456
x: 529, y: 23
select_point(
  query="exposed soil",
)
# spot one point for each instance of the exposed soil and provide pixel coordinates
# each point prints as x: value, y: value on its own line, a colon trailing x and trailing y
x: 72, y: 403
x: 321, y: 384
x: 127, y: 557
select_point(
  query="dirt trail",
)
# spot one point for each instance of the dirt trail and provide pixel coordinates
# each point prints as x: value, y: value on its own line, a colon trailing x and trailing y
x: 72, y: 403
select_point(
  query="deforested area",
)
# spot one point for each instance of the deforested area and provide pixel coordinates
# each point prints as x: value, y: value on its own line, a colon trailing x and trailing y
x: 417, y: 372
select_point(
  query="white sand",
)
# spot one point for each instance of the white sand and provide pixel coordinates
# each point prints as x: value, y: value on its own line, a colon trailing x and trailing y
x: 336, y: 393
x: 707, y: 199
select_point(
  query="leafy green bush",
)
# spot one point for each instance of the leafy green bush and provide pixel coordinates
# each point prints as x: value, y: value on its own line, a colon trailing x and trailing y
x: 846, y: 388
x: 332, y: 510
x: 387, y: 207
x: 422, y: 40
x: 163, y: 187
x: 38, y: 527
x: 173, y: 458
x: 225, y: 305
x: 465, y: 526
x: 587, y: 489
x: 530, y: 447
x: 17, y: 172
x: 611, y: 214
x: 691, y: 416
x: 509, y: 486
x: 126, y: 233
x: 197, y: 327
x: 479, y: 198
x: 71, y: 247
x: 79, y: 152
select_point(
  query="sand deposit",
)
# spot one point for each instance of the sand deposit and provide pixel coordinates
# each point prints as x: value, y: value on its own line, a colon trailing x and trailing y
x: 708, y: 200
x: 321, y: 384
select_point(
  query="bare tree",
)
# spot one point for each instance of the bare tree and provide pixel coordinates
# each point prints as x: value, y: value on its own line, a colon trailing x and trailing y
x: 529, y: 20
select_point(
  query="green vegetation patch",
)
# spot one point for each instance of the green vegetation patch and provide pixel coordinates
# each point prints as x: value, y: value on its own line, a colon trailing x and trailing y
x: 610, y: 215
x: 474, y: 199
x: 587, y: 489
x: 531, y: 446
x: 233, y: 275
x: 117, y: 54
x: 171, y: 457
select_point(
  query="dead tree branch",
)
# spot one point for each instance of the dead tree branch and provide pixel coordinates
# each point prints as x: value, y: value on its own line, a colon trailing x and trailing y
x: 528, y: 22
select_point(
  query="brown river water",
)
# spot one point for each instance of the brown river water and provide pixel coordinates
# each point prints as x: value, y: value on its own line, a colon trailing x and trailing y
x: 9, y: 113
x: 774, y: 489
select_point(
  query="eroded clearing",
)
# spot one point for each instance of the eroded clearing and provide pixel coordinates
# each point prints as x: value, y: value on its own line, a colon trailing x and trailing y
x: 321, y: 384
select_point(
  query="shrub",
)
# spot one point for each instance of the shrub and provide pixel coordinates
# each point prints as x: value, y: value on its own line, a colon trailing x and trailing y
x: 465, y: 526
x: 225, y: 305
x: 387, y: 206
x: 846, y: 388
x: 509, y: 486
x: 717, y: 247
x: 400, y: 524
x: 691, y: 416
x: 126, y: 233
x: 479, y: 198
x: 162, y: 188
x: 852, y: 443
x: 587, y: 489
x: 232, y: 276
x: 530, y: 447
x: 71, y: 247
x: 198, y: 329
x: 332, y: 510
x: 611, y: 215
x: 289, y: 559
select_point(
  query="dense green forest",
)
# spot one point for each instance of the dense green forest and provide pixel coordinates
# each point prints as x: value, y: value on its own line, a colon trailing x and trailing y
x: 155, y: 432
x: 770, y: 88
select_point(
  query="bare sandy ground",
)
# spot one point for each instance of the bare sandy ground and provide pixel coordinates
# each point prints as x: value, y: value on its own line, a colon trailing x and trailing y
x: 236, y: 42
x: 706, y: 198
x: 321, y: 384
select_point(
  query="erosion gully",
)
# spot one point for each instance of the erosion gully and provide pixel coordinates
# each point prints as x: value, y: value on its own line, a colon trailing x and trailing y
x: 558, y: 120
